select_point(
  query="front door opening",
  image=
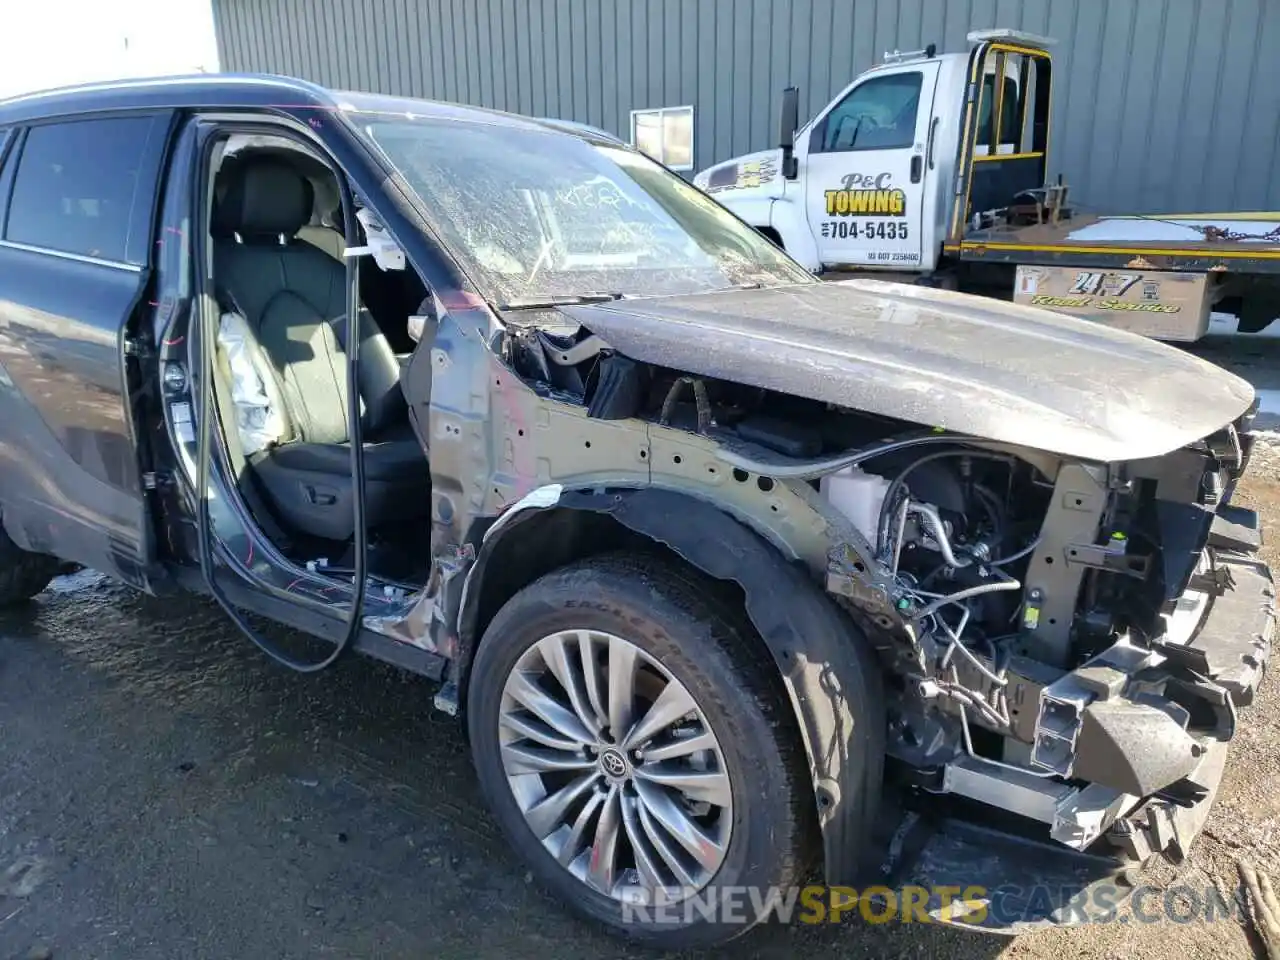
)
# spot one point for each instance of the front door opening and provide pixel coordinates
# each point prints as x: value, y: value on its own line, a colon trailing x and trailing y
x: 278, y: 274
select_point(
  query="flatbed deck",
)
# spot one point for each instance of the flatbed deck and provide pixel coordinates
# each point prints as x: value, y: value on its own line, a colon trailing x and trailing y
x: 1249, y: 243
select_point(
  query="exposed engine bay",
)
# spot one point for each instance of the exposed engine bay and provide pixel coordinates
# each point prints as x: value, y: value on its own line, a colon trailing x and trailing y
x: 1042, y: 621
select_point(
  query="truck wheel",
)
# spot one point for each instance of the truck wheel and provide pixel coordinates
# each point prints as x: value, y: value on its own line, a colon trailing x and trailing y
x: 23, y: 574
x: 637, y: 747
x: 773, y: 236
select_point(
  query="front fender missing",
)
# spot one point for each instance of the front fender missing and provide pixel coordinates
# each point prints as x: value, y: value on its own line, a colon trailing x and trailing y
x: 832, y: 681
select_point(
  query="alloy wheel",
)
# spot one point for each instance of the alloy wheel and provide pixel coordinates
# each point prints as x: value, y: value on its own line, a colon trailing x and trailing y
x: 614, y: 766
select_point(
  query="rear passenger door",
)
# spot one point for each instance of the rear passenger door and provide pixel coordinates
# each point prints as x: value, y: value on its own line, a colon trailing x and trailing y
x: 77, y: 238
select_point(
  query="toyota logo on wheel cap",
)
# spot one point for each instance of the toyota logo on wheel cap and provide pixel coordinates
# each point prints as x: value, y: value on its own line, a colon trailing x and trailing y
x: 613, y: 763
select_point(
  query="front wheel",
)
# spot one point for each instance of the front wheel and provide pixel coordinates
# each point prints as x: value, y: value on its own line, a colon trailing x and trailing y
x: 634, y: 742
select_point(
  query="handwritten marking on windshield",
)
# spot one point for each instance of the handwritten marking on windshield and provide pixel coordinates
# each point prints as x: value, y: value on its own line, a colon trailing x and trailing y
x: 592, y: 195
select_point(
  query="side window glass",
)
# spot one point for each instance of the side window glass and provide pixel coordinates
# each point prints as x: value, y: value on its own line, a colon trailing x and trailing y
x: 1013, y: 134
x: 985, y: 107
x: 1010, y: 107
x: 877, y: 115
x: 1010, y: 116
x: 75, y: 186
x: 8, y: 158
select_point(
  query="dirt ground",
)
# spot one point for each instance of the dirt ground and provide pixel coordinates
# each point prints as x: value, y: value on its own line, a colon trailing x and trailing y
x: 165, y: 792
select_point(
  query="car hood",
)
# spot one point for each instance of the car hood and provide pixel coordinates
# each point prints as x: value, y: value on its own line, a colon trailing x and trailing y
x: 967, y: 364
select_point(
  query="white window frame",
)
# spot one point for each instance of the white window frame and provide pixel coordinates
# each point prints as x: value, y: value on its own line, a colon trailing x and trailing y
x: 661, y: 114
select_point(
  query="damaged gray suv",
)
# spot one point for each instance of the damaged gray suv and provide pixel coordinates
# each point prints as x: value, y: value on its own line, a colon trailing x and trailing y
x: 733, y: 574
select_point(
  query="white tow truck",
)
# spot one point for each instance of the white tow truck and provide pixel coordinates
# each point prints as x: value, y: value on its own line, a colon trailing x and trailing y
x: 928, y: 169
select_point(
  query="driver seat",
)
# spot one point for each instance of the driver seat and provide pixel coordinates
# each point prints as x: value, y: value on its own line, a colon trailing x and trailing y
x: 293, y: 298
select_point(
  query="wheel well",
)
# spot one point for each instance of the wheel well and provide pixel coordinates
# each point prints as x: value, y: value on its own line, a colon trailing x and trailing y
x: 839, y: 708
x: 772, y: 235
x: 554, y: 538
x: 548, y: 539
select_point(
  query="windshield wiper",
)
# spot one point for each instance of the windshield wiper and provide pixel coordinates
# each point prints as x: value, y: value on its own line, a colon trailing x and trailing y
x: 557, y: 300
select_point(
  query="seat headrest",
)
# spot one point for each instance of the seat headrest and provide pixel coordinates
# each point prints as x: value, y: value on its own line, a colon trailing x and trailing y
x: 263, y: 197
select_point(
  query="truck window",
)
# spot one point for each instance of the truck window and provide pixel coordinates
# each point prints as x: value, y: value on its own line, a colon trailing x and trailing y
x: 75, y: 184
x: 1023, y: 105
x: 879, y: 114
x: 1010, y: 115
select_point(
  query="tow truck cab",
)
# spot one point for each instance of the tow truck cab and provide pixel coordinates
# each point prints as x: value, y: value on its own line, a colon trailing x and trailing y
x: 871, y: 180
x: 927, y: 168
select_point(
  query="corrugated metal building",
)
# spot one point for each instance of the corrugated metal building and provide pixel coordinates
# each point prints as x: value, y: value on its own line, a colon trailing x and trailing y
x: 1160, y: 105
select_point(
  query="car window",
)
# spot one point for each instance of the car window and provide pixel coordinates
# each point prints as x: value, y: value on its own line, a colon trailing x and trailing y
x: 75, y: 186
x: 7, y: 139
x: 879, y: 114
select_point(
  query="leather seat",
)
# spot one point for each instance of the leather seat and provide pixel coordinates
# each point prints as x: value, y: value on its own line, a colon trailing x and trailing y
x: 325, y: 239
x: 293, y: 297
x: 326, y: 234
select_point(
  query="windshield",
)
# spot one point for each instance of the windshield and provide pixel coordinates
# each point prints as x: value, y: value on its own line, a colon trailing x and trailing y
x: 534, y: 214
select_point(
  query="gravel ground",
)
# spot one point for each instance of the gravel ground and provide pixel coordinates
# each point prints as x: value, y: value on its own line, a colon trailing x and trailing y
x: 165, y: 792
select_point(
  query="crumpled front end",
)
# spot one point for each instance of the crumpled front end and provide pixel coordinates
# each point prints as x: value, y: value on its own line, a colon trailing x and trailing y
x: 1065, y: 610
x: 1040, y: 763
x: 1140, y: 744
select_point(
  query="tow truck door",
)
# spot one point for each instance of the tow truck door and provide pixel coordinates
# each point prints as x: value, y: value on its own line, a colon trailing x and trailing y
x: 864, y: 167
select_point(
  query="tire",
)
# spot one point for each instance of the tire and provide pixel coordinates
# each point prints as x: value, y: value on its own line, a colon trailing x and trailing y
x: 678, y: 619
x: 23, y: 574
x: 772, y: 235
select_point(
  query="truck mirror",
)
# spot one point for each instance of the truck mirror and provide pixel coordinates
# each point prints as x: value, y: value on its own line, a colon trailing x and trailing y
x: 787, y: 123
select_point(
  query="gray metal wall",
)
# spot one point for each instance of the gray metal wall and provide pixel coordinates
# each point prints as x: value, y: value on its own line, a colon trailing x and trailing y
x: 1160, y: 105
